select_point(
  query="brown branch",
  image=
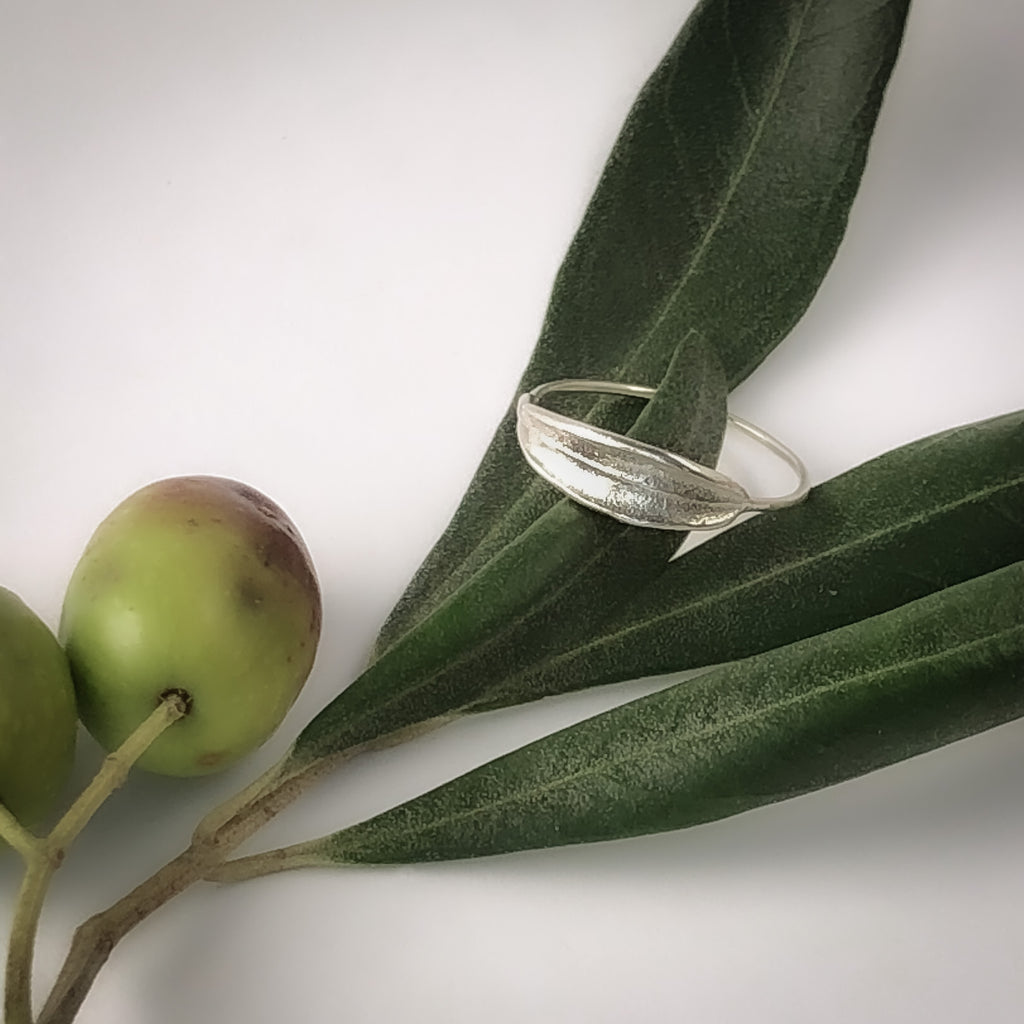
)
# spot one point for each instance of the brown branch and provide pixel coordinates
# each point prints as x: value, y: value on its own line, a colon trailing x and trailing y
x: 96, y: 938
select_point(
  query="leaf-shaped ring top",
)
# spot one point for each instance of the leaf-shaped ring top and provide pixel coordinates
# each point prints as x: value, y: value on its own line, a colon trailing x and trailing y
x: 634, y: 482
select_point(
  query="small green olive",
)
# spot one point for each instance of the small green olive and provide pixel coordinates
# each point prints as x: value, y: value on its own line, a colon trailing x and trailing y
x: 199, y: 585
x: 37, y: 713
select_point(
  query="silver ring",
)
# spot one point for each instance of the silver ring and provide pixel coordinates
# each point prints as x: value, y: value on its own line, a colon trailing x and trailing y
x: 634, y: 482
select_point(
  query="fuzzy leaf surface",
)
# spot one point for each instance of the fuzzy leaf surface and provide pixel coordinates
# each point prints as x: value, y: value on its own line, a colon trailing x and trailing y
x: 774, y: 726
x: 912, y: 521
x: 720, y: 209
x: 539, y: 594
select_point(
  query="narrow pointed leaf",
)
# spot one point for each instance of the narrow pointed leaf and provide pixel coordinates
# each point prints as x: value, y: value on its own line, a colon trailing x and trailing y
x: 774, y: 726
x: 720, y: 209
x: 886, y: 533
x: 539, y: 594
x: 930, y: 514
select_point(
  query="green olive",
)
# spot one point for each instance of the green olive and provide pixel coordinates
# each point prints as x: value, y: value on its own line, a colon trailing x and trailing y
x: 202, y: 586
x: 37, y: 713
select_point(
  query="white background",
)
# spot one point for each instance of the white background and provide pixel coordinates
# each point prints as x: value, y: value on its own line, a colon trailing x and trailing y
x: 309, y: 245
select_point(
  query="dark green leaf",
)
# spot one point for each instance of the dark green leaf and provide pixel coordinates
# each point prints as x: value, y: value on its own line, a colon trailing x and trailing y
x: 776, y: 725
x: 720, y: 209
x: 538, y: 594
x: 915, y: 520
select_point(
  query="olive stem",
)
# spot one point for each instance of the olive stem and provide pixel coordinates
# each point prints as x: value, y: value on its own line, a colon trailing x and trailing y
x: 17, y: 836
x: 96, y: 938
x: 222, y: 831
x: 224, y: 812
x: 44, y: 855
x: 257, y: 865
x: 114, y: 771
x: 18, y: 978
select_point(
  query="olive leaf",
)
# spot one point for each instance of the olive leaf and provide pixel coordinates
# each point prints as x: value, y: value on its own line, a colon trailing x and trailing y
x: 720, y: 209
x: 774, y: 726
x: 887, y: 532
x: 538, y: 593
x: 877, y: 537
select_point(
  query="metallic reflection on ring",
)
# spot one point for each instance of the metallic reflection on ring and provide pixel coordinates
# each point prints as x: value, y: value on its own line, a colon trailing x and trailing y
x: 634, y: 482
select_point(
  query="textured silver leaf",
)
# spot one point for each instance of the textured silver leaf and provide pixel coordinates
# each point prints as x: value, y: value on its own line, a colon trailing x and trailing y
x: 633, y: 482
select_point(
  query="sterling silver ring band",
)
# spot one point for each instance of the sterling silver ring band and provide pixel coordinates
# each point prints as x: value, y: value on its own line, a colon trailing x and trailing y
x: 635, y: 482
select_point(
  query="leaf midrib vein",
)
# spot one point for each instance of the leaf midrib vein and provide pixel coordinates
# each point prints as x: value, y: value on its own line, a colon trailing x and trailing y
x: 741, y: 171
x: 782, y: 570
x: 666, y: 741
